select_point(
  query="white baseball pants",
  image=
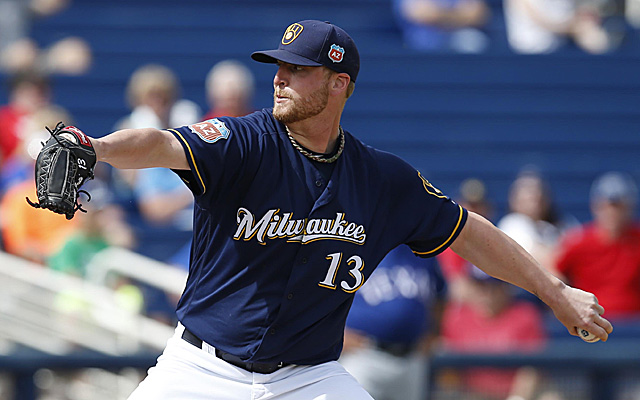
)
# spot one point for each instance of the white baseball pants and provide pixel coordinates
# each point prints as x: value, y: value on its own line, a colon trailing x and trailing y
x: 185, y: 372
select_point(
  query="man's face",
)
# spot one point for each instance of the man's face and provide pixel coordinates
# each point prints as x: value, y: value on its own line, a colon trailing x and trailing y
x: 299, y: 92
x: 613, y: 216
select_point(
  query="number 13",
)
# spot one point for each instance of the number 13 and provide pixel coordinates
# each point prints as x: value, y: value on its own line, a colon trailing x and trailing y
x: 356, y: 272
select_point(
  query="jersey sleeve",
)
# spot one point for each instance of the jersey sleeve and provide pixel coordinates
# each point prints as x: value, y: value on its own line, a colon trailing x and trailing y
x: 435, y: 220
x: 217, y: 151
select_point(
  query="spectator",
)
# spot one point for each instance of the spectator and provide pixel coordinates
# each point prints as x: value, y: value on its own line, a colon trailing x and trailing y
x: 544, y: 26
x: 394, y: 318
x: 230, y: 87
x: 16, y: 17
x: 28, y: 232
x: 632, y: 13
x: 153, y: 93
x: 604, y: 256
x: 443, y: 25
x: 102, y: 226
x: 495, y: 322
x: 533, y: 221
x: 472, y: 196
x: 18, y: 52
x: 68, y: 56
x: 28, y: 93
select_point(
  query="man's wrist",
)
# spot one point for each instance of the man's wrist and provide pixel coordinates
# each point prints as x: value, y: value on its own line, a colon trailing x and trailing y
x: 551, y: 293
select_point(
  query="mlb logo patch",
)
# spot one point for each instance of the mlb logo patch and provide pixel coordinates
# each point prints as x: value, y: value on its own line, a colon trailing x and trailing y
x: 211, y: 130
x: 336, y: 53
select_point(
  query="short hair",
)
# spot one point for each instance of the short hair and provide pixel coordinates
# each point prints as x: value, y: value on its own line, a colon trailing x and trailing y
x: 350, y: 88
x: 148, y: 78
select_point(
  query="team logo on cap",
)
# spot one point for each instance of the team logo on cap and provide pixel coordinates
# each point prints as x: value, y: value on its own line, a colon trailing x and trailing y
x: 292, y: 32
x: 211, y: 130
x: 336, y: 53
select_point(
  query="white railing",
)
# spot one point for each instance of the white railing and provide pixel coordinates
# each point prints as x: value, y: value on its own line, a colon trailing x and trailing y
x: 57, y: 313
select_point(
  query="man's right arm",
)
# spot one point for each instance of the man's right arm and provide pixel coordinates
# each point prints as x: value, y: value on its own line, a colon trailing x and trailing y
x: 141, y: 148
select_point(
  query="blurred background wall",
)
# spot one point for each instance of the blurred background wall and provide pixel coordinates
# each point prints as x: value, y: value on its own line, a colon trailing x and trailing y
x: 489, y: 114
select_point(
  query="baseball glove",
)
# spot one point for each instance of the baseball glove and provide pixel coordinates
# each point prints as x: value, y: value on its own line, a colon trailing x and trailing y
x: 65, y: 162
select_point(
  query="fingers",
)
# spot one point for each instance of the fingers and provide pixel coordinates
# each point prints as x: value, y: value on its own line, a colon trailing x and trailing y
x: 605, y: 324
x: 599, y: 326
x: 589, y: 313
x: 598, y: 308
x: 602, y: 322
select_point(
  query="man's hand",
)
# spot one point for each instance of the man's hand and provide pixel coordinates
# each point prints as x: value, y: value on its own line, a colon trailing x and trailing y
x: 577, y: 309
x: 491, y: 250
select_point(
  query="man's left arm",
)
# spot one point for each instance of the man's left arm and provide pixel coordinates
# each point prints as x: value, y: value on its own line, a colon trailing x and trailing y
x: 491, y: 250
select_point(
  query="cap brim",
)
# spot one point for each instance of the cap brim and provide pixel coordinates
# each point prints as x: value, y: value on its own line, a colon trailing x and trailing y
x: 273, y: 56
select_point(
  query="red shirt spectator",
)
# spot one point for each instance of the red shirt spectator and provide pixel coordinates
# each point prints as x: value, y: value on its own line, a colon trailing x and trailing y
x: 607, y: 267
x: 495, y: 323
x: 29, y: 93
x: 603, y: 257
x: 466, y: 330
x: 10, y: 118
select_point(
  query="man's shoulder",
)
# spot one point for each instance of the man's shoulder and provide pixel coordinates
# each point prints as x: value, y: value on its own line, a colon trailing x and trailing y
x: 260, y: 122
x: 363, y: 152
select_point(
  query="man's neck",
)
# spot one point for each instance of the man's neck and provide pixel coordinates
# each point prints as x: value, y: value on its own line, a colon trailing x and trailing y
x: 316, y: 135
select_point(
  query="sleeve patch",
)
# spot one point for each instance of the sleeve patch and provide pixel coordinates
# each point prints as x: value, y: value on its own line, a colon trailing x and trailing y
x: 432, y: 190
x: 211, y: 130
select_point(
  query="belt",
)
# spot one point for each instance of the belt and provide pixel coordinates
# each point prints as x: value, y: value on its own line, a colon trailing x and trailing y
x: 259, y: 367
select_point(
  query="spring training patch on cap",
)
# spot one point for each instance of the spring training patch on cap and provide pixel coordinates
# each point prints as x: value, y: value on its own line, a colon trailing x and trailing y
x: 211, y: 130
x: 336, y: 53
x: 292, y: 32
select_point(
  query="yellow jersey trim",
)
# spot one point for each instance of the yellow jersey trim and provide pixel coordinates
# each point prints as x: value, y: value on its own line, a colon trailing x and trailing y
x: 193, y: 160
x: 424, y: 253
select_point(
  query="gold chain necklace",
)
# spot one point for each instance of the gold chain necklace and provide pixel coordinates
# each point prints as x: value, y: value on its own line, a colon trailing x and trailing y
x: 318, y: 157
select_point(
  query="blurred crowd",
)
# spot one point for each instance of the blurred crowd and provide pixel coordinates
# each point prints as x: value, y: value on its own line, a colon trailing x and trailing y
x: 410, y: 308
x: 532, y: 26
x: 148, y: 211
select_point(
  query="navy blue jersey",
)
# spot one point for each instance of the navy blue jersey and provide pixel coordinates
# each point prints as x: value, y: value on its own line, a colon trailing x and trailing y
x: 278, y: 251
x: 396, y: 303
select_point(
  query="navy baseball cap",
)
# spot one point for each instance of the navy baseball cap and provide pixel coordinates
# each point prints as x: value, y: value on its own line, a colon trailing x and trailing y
x: 314, y: 43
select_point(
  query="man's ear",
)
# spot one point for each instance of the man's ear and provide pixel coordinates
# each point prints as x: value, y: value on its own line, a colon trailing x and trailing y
x: 339, y: 84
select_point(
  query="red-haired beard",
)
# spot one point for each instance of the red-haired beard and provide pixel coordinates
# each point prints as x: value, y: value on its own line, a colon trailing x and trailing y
x: 297, y: 109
